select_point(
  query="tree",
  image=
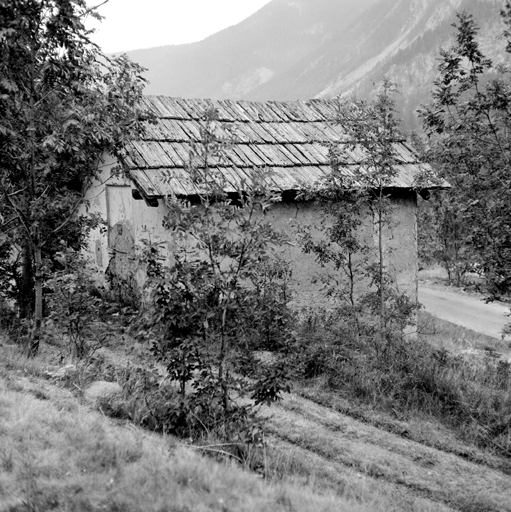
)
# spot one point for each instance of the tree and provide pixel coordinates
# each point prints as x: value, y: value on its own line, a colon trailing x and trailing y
x: 371, y: 129
x: 220, y: 298
x: 63, y: 104
x: 468, y: 128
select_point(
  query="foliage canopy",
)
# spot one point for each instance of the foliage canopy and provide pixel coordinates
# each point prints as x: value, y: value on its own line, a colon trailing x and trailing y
x: 63, y: 104
x: 468, y: 127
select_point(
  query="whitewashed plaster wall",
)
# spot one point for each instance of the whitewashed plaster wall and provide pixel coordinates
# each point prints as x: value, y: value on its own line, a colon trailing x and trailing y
x: 112, y: 198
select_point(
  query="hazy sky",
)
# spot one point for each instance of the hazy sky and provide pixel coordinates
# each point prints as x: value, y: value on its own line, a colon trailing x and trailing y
x: 133, y: 24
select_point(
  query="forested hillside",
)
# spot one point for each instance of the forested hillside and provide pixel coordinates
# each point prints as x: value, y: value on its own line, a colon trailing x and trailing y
x: 425, y: 27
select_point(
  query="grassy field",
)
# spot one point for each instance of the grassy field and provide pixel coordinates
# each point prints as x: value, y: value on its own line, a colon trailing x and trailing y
x: 58, y: 454
x: 323, y: 451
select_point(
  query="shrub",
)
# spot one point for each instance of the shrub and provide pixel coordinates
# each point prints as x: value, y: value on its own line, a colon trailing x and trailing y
x: 8, y: 316
x: 74, y: 302
x: 220, y: 299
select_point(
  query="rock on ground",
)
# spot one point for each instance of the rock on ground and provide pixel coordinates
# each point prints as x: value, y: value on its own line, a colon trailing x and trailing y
x: 100, y: 390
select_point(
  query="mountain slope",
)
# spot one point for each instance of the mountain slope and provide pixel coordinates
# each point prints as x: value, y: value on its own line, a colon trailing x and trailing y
x: 411, y: 59
x: 298, y: 49
x: 236, y: 61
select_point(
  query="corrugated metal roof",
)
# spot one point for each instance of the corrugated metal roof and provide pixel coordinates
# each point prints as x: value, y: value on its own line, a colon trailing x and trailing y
x: 288, y: 140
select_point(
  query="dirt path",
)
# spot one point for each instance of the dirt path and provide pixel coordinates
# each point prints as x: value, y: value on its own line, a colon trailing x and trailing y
x: 341, y: 449
x: 465, y: 310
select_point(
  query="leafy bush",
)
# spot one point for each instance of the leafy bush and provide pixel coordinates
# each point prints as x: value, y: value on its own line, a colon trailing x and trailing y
x: 219, y: 300
x: 152, y: 401
x: 9, y: 275
x: 207, y: 337
x: 268, y: 315
x: 74, y: 302
x: 8, y: 316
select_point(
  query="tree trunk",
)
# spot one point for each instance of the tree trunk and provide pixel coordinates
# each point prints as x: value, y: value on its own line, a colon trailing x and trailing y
x: 222, y: 370
x: 38, y: 288
x: 33, y: 347
x: 381, y: 267
x: 26, y: 285
x: 351, y: 278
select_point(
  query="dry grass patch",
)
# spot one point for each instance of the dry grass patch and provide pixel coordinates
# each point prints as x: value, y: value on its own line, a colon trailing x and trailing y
x: 410, y: 475
x: 433, y: 273
x: 437, y: 274
x: 15, y: 362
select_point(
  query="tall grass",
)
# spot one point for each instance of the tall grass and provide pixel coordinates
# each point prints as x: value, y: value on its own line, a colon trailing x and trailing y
x: 470, y: 394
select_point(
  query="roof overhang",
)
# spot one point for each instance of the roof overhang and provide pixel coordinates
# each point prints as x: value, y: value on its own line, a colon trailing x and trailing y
x: 290, y: 143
